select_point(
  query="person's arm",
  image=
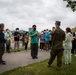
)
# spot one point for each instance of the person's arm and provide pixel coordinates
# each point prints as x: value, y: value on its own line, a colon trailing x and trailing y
x: 10, y: 34
x: 19, y: 35
x: 38, y: 34
x: 31, y: 35
x: 5, y: 36
x: 74, y: 37
x: 2, y: 38
x: 66, y: 38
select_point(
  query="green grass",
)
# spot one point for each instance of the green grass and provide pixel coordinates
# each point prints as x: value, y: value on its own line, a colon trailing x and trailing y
x: 21, y: 49
x: 41, y: 68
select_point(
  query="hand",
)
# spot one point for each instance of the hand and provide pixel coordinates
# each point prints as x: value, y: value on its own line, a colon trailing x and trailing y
x: 6, y: 39
x: 18, y: 35
x: 38, y: 34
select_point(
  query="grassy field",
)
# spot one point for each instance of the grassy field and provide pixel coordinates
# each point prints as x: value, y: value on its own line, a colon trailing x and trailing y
x: 41, y: 68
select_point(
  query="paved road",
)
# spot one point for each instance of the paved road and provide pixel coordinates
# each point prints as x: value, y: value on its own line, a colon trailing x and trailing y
x: 19, y: 59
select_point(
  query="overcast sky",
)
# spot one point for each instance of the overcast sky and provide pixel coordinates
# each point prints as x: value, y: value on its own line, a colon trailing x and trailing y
x: 43, y: 13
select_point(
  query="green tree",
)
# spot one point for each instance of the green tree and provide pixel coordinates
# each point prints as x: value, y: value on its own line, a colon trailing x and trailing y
x: 73, y: 29
x: 71, y: 4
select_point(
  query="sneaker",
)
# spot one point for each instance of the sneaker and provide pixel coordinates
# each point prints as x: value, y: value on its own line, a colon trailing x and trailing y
x: 64, y: 63
x: 36, y: 57
x: 8, y: 52
x: 3, y: 63
x: 15, y: 51
x: 48, y: 65
x: 58, y: 68
x: 18, y: 50
x: 69, y: 63
x: 25, y: 49
x: 33, y: 57
x: 75, y: 54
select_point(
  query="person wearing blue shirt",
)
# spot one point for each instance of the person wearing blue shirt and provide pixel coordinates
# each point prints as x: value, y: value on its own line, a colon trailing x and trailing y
x: 47, y: 38
x: 2, y: 44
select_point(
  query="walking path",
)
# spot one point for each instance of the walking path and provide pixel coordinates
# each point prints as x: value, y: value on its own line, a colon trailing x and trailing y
x: 23, y: 58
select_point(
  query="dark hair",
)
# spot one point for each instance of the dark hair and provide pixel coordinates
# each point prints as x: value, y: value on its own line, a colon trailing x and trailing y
x: 26, y: 33
x: 17, y: 28
x: 7, y: 29
x: 47, y: 29
x: 53, y: 27
x: 34, y: 26
x: 68, y: 30
x: 44, y: 30
x: 1, y: 24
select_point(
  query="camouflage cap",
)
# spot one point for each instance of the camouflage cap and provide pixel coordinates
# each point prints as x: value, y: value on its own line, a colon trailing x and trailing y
x: 58, y: 22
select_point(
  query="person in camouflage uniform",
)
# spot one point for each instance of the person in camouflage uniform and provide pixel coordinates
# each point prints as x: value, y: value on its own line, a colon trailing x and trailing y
x: 57, y: 45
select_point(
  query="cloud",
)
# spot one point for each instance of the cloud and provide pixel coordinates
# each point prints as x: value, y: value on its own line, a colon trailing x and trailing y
x: 43, y: 13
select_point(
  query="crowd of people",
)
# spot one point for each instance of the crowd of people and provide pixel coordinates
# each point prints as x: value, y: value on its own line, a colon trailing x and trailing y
x: 58, y: 41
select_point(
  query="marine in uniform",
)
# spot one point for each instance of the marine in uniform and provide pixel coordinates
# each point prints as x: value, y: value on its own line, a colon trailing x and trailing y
x: 57, y: 45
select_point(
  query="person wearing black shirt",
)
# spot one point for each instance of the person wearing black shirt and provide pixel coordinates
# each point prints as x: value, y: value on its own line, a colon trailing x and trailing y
x: 16, y: 39
x: 73, y: 51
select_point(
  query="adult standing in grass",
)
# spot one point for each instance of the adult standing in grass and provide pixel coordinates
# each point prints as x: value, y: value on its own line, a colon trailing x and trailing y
x: 68, y: 46
x: 42, y: 40
x: 57, y: 45
x: 7, y: 37
x: 73, y: 51
x: 34, y: 42
x: 26, y: 39
x: 16, y: 39
x: 23, y: 41
x: 2, y: 44
x: 47, y: 38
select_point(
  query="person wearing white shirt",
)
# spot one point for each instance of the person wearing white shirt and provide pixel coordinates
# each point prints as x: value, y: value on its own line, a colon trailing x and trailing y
x: 68, y: 46
x: 7, y: 37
